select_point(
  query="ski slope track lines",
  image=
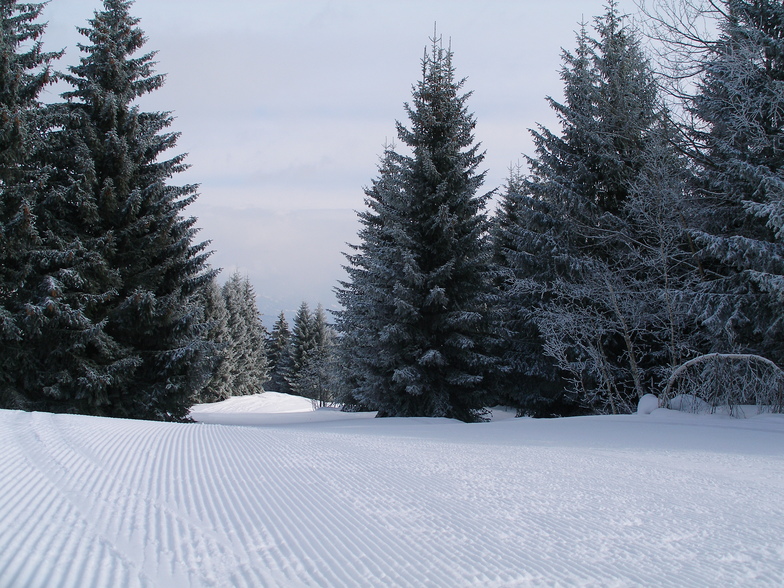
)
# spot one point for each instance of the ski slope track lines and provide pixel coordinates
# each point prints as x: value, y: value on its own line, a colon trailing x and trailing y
x: 655, y: 500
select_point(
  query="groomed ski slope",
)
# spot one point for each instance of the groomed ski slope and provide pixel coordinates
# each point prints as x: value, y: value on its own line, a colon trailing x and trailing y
x: 328, y: 499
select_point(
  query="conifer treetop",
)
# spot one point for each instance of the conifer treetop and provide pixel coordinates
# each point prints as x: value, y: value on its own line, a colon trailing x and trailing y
x: 108, y: 62
x: 24, y: 72
x: 20, y: 27
x: 442, y: 128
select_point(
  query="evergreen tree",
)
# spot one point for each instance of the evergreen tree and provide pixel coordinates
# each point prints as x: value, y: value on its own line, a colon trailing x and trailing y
x: 542, y: 246
x: 54, y: 357
x: 127, y: 263
x: 577, y: 229
x: 24, y: 72
x: 740, y: 155
x: 424, y: 267
x: 316, y: 376
x: 369, y: 295
x: 527, y: 379
x: 610, y: 107
x: 279, y: 355
x: 304, y: 343
x: 658, y: 257
x: 258, y: 368
x: 216, y: 318
x: 236, y: 353
x: 321, y: 328
x: 246, y: 353
x: 627, y: 109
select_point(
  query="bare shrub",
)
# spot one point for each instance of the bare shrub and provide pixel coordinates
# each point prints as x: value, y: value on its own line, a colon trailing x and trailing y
x: 730, y: 381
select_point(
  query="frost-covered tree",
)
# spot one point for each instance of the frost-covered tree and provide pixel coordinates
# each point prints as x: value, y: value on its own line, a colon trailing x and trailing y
x: 54, y: 357
x: 258, y: 368
x: 127, y: 261
x: 315, y: 378
x: 323, y: 330
x: 279, y: 355
x: 527, y: 379
x: 625, y: 324
x: 610, y: 106
x: 423, y: 269
x: 740, y: 155
x: 246, y: 353
x: 543, y: 248
x: 577, y: 230
x: 24, y: 73
x: 304, y: 342
x: 368, y: 295
x: 658, y: 258
x: 216, y: 319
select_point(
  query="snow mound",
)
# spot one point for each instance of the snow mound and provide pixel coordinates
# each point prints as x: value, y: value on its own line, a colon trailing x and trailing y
x: 269, y: 409
x: 647, y: 404
x: 266, y: 402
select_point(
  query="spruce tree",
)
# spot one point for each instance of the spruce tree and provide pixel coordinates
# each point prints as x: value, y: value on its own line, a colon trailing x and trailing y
x: 368, y: 296
x: 540, y: 244
x: 237, y: 350
x: 526, y: 379
x: 54, y: 357
x: 304, y: 343
x: 425, y: 265
x: 258, y: 368
x: 576, y: 227
x: 740, y: 159
x: 216, y: 319
x: 135, y: 272
x: 321, y: 327
x: 246, y: 353
x: 315, y: 377
x: 24, y: 73
x: 279, y: 355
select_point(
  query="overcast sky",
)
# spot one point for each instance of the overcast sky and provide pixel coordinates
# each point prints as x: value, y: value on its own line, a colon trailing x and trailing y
x: 284, y: 107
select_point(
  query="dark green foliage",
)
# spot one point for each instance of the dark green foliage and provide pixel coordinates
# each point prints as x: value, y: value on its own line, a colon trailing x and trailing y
x: 246, y: 352
x: 304, y: 343
x: 310, y: 359
x: 313, y: 369
x: 418, y: 310
x: 527, y: 379
x: 584, y: 280
x: 536, y: 237
x: 279, y: 356
x: 740, y: 154
x: 24, y: 72
x: 216, y: 319
x: 240, y: 362
x: 114, y: 313
x: 627, y: 109
x: 368, y: 298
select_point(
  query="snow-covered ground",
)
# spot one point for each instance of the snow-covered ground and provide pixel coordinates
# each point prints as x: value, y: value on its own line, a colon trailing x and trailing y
x: 286, y: 496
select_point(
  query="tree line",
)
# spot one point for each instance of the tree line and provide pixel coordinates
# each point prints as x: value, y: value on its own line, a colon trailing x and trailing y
x: 631, y: 242
x: 645, y: 232
x: 249, y: 359
x: 108, y: 304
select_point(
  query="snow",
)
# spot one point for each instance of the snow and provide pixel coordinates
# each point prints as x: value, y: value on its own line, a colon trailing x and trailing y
x: 647, y: 404
x: 323, y: 498
x: 689, y: 403
x: 268, y: 402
